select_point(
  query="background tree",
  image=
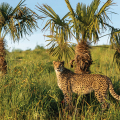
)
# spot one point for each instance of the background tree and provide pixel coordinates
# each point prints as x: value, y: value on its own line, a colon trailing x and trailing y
x: 85, y: 24
x: 115, y: 43
x: 16, y: 22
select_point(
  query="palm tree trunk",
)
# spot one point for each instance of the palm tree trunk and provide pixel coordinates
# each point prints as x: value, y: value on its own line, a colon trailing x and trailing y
x: 82, y: 58
x: 3, y: 63
x: 116, y: 57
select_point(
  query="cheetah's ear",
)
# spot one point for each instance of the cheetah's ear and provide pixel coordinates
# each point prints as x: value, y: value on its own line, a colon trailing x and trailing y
x: 53, y: 62
x: 62, y: 62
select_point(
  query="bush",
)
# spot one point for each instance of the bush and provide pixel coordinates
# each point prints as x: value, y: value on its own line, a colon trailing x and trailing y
x: 29, y: 49
x: 17, y: 50
x: 39, y: 47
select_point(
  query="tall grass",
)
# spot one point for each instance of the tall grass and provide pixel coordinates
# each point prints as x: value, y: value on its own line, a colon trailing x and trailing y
x: 29, y: 90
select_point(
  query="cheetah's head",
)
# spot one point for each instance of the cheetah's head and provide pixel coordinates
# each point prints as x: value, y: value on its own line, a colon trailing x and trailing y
x: 58, y: 66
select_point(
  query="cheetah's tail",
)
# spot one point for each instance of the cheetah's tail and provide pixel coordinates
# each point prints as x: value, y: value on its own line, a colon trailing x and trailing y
x: 111, y: 89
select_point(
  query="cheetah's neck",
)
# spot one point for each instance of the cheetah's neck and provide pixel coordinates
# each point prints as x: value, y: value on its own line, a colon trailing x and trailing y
x: 58, y: 74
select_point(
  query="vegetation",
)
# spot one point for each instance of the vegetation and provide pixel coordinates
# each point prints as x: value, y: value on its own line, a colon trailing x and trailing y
x: 29, y: 90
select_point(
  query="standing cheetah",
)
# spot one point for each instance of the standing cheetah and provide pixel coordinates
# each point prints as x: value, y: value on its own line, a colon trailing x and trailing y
x: 81, y: 84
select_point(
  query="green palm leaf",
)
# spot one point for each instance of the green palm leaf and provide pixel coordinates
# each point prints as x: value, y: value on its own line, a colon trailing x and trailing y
x: 59, y: 48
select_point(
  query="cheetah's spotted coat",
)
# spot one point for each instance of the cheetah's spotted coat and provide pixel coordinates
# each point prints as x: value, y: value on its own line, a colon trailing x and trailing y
x: 69, y: 82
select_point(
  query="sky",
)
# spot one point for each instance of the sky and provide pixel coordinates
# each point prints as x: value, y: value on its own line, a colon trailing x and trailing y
x: 60, y: 7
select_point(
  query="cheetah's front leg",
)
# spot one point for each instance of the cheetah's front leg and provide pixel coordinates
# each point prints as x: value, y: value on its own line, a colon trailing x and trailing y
x: 68, y: 101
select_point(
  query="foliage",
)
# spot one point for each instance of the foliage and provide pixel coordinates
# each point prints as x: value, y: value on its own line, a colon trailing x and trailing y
x: 29, y: 49
x: 115, y: 38
x: 87, y: 21
x: 60, y: 33
x: 16, y: 21
x: 39, y: 47
x: 61, y: 49
x: 16, y: 50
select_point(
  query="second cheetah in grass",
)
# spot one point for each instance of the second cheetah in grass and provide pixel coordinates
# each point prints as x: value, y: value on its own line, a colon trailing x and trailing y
x: 69, y: 82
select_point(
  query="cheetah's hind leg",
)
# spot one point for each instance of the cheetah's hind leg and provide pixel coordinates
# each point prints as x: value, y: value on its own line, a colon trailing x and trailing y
x: 103, y: 99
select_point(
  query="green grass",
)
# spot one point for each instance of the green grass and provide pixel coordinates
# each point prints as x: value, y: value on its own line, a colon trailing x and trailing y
x: 29, y: 90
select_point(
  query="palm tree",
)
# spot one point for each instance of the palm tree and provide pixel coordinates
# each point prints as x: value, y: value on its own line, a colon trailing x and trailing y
x: 15, y: 22
x: 115, y: 41
x: 60, y: 33
x: 85, y: 24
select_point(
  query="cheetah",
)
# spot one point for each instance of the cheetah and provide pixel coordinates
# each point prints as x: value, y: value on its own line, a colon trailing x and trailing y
x: 81, y: 84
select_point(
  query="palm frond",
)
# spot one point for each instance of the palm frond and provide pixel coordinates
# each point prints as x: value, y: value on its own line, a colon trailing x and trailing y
x: 54, y: 23
x: 20, y: 4
x: 66, y: 16
x: 102, y: 14
x: 60, y: 48
x: 60, y: 32
x: 47, y: 10
x: 18, y: 21
x: 115, y: 37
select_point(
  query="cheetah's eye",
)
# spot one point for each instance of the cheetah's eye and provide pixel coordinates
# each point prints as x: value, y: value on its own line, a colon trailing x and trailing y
x: 61, y: 65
